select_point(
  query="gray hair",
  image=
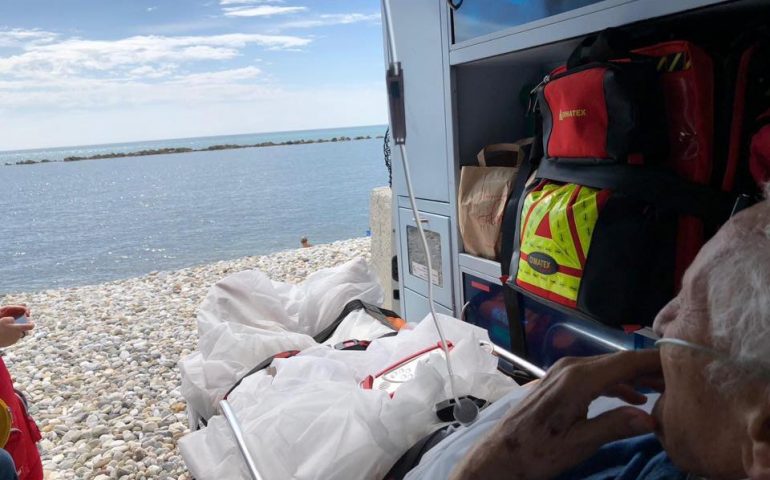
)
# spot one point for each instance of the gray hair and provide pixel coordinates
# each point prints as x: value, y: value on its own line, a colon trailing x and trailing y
x: 739, y: 301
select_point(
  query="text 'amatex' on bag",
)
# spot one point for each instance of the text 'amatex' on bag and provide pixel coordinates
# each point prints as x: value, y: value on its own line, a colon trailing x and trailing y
x: 482, y: 196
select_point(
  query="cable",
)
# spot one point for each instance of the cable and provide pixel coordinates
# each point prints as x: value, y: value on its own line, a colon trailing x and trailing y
x: 464, y: 411
x: 388, y: 161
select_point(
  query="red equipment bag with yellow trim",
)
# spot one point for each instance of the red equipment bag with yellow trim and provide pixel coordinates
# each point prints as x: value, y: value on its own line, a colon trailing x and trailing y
x: 620, y: 200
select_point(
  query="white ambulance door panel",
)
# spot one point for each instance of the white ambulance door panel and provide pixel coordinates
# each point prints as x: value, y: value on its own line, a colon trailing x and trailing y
x: 420, y: 48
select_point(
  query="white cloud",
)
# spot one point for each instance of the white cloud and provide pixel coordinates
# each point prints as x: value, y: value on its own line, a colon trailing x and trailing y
x: 78, y: 57
x: 219, y: 78
x: 332, y: 19
x: 151, y: 9
x: 261, y: 11
x: 18, y: 37
x: 143, y: 86
x: 56, y: 90
x: 262, y: 110
x: 152, y: 72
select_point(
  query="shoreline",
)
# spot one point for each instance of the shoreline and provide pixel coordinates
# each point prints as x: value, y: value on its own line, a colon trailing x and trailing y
x: 211, y: 148
x: 100, y: 368
x: 228, y: 265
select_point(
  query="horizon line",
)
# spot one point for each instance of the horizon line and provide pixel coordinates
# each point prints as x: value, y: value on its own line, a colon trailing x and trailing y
x: 63, y: 147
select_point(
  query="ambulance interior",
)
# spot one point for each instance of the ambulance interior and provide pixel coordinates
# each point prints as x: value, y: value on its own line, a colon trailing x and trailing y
x: 489, y: 94
x: 467, y: 77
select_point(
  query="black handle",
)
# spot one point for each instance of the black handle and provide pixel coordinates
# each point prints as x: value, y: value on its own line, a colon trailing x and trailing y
x: 608, y: 45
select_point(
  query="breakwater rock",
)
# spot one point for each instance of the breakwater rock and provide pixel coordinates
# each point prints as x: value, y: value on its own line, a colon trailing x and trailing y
x: 167, y: 151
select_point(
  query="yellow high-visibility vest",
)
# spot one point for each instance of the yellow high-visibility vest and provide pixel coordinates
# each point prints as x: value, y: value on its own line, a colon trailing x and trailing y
x: 557, y: 224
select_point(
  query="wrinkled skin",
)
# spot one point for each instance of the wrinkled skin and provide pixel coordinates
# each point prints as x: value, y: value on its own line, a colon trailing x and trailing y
x: 548, y: 432
x: 708, y: 431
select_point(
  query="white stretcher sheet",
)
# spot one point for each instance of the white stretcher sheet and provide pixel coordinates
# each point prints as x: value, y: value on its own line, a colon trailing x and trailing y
x: 312, y: 419
x: 246, y: 318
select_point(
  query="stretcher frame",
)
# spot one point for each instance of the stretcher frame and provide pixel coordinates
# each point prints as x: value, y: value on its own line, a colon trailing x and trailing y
x: 232, y: 419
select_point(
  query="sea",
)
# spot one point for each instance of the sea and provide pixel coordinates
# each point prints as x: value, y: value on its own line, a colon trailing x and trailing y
x: 65, y: 224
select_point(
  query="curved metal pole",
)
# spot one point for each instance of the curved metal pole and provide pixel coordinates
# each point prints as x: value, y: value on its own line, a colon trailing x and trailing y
x: 232, y: 420
x: 516, y: 360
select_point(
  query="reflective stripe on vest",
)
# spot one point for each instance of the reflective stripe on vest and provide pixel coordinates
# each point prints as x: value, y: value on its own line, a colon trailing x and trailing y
x: 558, y: 222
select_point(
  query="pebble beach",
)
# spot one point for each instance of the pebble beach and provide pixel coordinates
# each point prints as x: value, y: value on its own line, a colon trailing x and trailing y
x: 100, y: 368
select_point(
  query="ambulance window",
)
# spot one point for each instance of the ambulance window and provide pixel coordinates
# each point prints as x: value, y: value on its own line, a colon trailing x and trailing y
x: 475, y: 18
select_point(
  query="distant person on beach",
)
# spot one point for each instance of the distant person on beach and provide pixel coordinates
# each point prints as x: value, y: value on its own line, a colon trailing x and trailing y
x: 305, y: 244
x: 15, y: 322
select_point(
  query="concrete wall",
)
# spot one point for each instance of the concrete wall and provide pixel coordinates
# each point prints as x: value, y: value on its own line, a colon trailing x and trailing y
x: 381, y: 225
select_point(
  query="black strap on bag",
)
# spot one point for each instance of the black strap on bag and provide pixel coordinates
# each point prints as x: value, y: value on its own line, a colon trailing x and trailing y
x: 508, y: 225
x: 608, y: 45
x: 510, y: 239
x: 509, y: 216
x: 655, y: 186
x: 261, y: 366
x: 379, y: 313
x: 412, y: 457
x: 509, y: 246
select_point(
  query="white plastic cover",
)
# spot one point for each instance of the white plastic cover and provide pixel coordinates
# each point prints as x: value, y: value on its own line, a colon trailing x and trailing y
x: 247, y: 318
x: 312, y: 420
x: 359, y: 326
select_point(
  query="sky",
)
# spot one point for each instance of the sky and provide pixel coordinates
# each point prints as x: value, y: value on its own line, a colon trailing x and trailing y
x: 81, y: 72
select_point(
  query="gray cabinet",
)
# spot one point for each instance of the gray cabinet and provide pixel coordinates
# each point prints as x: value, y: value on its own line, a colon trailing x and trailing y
x: 421, y: 47
x: 416, y: 307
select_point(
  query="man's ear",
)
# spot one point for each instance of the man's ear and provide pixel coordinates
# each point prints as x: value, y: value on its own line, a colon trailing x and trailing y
x: 756, y: 457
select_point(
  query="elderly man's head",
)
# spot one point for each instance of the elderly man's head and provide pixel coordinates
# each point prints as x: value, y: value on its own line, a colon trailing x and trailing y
x: 715, y: 415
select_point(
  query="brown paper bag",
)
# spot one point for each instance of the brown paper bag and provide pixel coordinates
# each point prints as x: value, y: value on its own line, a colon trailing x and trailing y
x: 481, y: 200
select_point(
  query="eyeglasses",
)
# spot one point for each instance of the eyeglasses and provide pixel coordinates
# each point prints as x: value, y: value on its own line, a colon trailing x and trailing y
x: 753, y: 368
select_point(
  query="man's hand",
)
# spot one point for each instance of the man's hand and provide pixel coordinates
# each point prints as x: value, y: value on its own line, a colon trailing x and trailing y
x: 548, y: 433
x: 10, y: 332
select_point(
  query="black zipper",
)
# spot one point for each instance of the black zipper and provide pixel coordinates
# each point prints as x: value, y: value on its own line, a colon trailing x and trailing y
x: 581, y: 68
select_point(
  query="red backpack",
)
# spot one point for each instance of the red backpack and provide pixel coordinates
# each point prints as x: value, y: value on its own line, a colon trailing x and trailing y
x: 24, y: 432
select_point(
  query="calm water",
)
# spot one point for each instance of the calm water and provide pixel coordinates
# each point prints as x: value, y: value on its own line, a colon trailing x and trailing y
x: 67, y: 224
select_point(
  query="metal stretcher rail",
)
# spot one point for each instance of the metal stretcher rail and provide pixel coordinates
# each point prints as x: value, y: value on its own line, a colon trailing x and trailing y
x: 232, y: 420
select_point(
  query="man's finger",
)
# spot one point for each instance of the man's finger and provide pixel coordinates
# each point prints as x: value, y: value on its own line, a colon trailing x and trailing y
x: 617, y: 424
x: 654, y: 382
x: 7, y: 320
x: 626, y: 393
x: 623, y: 367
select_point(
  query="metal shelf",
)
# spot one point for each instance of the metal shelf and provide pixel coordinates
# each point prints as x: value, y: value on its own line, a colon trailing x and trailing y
x: 495, y: 48
x: 490, y: 268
